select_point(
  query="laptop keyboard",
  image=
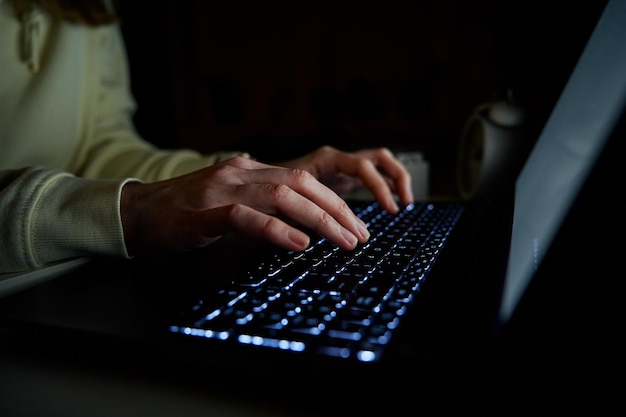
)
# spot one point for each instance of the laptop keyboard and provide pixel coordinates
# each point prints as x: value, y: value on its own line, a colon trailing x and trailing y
x: 325, y: 300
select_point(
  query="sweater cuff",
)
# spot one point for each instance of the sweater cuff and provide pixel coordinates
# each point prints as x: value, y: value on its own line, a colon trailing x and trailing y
x: 76, y: 217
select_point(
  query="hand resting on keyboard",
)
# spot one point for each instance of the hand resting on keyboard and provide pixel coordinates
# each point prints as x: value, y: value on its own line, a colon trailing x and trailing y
x: 259, y: 200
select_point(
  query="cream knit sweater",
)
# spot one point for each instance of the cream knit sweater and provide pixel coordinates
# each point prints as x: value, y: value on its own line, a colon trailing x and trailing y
x: 67, y: 143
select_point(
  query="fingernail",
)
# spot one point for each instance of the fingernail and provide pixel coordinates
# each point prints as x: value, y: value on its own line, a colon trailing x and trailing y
x: 365, y: 234
x: 299, y: 238
x: 349, y: 237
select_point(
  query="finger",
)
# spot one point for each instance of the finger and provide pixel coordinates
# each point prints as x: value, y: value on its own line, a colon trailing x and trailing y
x: 245, y: 220
x: 281, y: 199
x: 399, y: 176
x: 305, y: 196
x: 364, y: 168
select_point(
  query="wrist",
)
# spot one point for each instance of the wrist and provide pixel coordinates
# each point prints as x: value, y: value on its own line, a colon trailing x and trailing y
x: 129, y: 215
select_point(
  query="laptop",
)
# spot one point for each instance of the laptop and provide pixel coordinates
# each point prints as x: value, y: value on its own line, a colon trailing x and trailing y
x: 514, y: 297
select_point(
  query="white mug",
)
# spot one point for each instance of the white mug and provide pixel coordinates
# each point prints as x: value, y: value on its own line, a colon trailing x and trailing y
x: 492, y: 149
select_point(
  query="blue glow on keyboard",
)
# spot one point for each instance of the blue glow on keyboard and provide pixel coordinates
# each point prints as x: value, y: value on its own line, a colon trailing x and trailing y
x: 337, y: 352
x: 209, y: 334
x: 243, y: 320
x: 347, y: 303
x: 366, y: 356
x: 242, y: 295
x: 260, y: 308
x: 273, y: 343
x: 393, y: 324
x: 213, y: 314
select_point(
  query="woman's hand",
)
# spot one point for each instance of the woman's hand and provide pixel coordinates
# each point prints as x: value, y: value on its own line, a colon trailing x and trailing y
x: 377, y: 169
x: 248, y: 197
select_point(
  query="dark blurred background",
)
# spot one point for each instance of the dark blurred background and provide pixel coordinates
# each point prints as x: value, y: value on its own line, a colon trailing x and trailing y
x: 279, y: 78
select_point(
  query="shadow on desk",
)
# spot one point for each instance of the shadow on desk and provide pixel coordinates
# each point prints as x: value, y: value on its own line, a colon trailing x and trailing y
x: 48, y: 381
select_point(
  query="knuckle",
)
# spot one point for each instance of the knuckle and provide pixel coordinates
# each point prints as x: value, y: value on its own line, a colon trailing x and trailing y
x: 384, y: 151
x: 268, y: 226
x: 343, y: 207
x: 301, y: 176
x: 240, y: 161
x: 324, y: 220
x: 381, y: 154
x: 363, y: 165
x: 278, y: 191
x: 223, y: 171
x: 233, y: 212
x: 325, y: 152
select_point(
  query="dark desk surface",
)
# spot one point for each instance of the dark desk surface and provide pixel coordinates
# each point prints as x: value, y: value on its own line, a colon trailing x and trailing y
x: 38, y: 382
x: 34, y: 382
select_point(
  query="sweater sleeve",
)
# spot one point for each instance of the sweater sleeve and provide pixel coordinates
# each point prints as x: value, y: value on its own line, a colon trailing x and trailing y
x: 110, y: 146
x: 48, y: 216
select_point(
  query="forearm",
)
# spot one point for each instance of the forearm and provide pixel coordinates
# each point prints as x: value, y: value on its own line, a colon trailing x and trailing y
x: 120, y: 153
x: 49, y: 216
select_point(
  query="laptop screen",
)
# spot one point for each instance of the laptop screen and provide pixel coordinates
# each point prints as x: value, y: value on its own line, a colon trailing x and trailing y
x: 573, y: 137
